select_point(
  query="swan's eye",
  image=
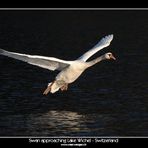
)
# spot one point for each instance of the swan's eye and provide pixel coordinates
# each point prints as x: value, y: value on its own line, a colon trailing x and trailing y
x: 109, y: 55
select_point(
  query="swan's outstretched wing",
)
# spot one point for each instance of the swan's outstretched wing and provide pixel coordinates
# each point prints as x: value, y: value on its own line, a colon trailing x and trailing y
x: 104, y: 42
x: 49, y: 63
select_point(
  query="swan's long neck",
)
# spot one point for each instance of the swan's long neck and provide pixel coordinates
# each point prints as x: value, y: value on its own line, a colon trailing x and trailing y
x: 93, y: 62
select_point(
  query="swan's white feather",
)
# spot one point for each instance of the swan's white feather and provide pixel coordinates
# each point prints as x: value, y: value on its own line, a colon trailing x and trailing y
x: 49, y: 63
x: 104, y: 42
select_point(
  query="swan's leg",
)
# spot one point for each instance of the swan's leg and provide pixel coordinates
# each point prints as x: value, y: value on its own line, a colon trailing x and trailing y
x: 64, y: 87
x: 48, y: 89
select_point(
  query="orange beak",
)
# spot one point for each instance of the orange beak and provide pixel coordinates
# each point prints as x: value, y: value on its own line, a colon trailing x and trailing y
x: 112, y: 57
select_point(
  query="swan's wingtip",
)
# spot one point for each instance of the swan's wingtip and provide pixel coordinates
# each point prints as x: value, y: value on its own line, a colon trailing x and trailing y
x: 1, y: 51
x: 111, y: 35
x: 108, y: 38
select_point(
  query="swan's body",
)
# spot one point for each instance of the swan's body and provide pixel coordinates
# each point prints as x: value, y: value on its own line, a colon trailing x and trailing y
x: 69, y: 70
x: 71, y: 73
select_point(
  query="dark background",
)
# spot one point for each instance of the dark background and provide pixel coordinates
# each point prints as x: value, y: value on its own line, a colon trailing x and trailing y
x: 109, y: 99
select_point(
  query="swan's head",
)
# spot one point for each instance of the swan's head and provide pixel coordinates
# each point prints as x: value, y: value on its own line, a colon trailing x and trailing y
x: 109, y: 56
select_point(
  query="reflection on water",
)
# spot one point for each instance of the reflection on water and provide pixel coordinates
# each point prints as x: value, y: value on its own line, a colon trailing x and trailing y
x: 67, y: 123
x: 57, y: 122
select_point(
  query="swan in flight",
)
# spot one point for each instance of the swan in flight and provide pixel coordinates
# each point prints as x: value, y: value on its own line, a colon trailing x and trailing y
x: 69, y: 70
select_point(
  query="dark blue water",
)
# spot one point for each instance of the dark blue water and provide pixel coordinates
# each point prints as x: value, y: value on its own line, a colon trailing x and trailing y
x: 109, y: 99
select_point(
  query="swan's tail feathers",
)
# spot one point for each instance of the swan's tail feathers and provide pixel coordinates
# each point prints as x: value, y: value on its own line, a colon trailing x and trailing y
x: 52, y: 88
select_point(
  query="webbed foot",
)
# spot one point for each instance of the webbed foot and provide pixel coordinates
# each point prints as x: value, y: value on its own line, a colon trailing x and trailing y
x: 48, y: 89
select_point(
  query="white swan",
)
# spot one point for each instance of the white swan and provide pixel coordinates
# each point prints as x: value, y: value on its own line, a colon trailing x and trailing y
x: 69, y: 70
